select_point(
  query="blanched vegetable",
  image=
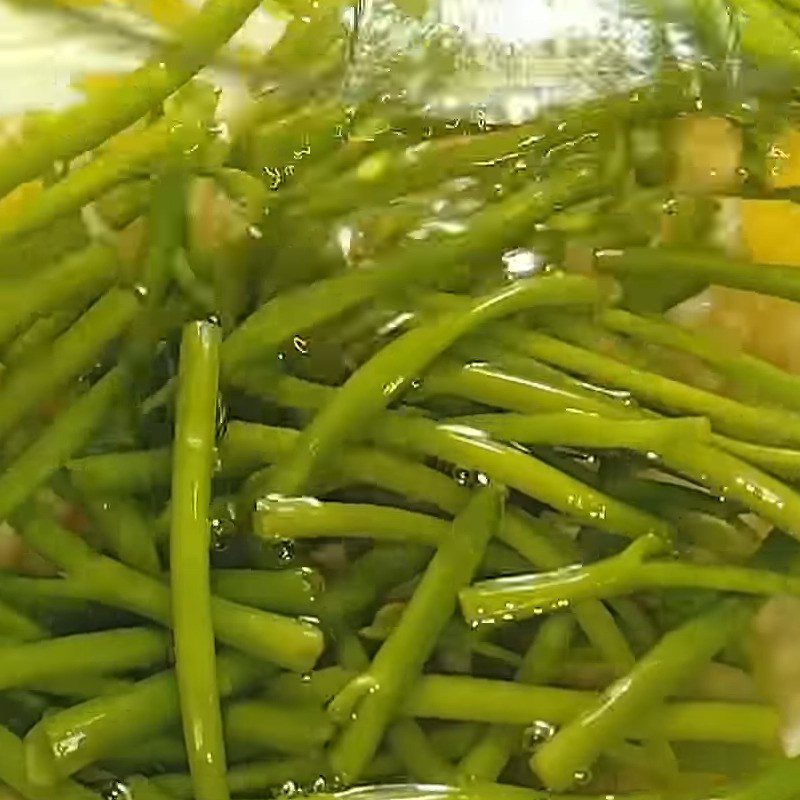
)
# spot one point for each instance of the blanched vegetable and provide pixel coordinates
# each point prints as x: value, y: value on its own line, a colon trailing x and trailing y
x: 420, y: 495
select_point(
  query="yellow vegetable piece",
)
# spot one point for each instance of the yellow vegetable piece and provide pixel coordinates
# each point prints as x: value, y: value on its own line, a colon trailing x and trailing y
x: 764, y: 326
x: 771, y: 230
x: 708, y: 153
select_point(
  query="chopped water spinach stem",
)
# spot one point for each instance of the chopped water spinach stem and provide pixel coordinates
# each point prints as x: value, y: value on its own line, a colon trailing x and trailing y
x: 190, y: 539
x: 290, y: 642
x: 487, y: 759
x: 389, y: 372
x: 634, y: 569
x: 372, y: 697
x: 575, y: 746
x: 149, y: 707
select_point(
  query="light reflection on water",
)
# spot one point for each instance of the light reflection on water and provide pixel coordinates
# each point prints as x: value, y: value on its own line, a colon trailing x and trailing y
x: 510, y: 57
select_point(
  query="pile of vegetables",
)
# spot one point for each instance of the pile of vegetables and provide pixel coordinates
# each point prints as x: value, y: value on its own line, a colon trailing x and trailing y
x: 353, y: 453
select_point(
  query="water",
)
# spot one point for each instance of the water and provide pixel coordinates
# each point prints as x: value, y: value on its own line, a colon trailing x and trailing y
x: 460, y: 155
x: 504, y: 60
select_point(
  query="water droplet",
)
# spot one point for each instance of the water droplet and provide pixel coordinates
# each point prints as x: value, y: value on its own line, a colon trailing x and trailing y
x: 537, y: 734
x: 141, y: 290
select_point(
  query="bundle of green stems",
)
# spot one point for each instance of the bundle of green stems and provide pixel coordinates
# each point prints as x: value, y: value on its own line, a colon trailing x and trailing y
x: 311, y: 490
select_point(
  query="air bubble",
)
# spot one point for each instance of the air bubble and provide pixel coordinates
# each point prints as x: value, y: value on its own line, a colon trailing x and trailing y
x: 285, y: 550
x: 220, y: 130
x: 670, y: 206
x: 222, y: 419
x: 118, y: 790
x: 391, y: 387
x: 463, y: 477
x: 301, y: 345
x: 583, y: 777
x: 289, y: 789
x: 275, y: 177
x: 537, y: 734
x: 522, y: 262
x: 221, y: 533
